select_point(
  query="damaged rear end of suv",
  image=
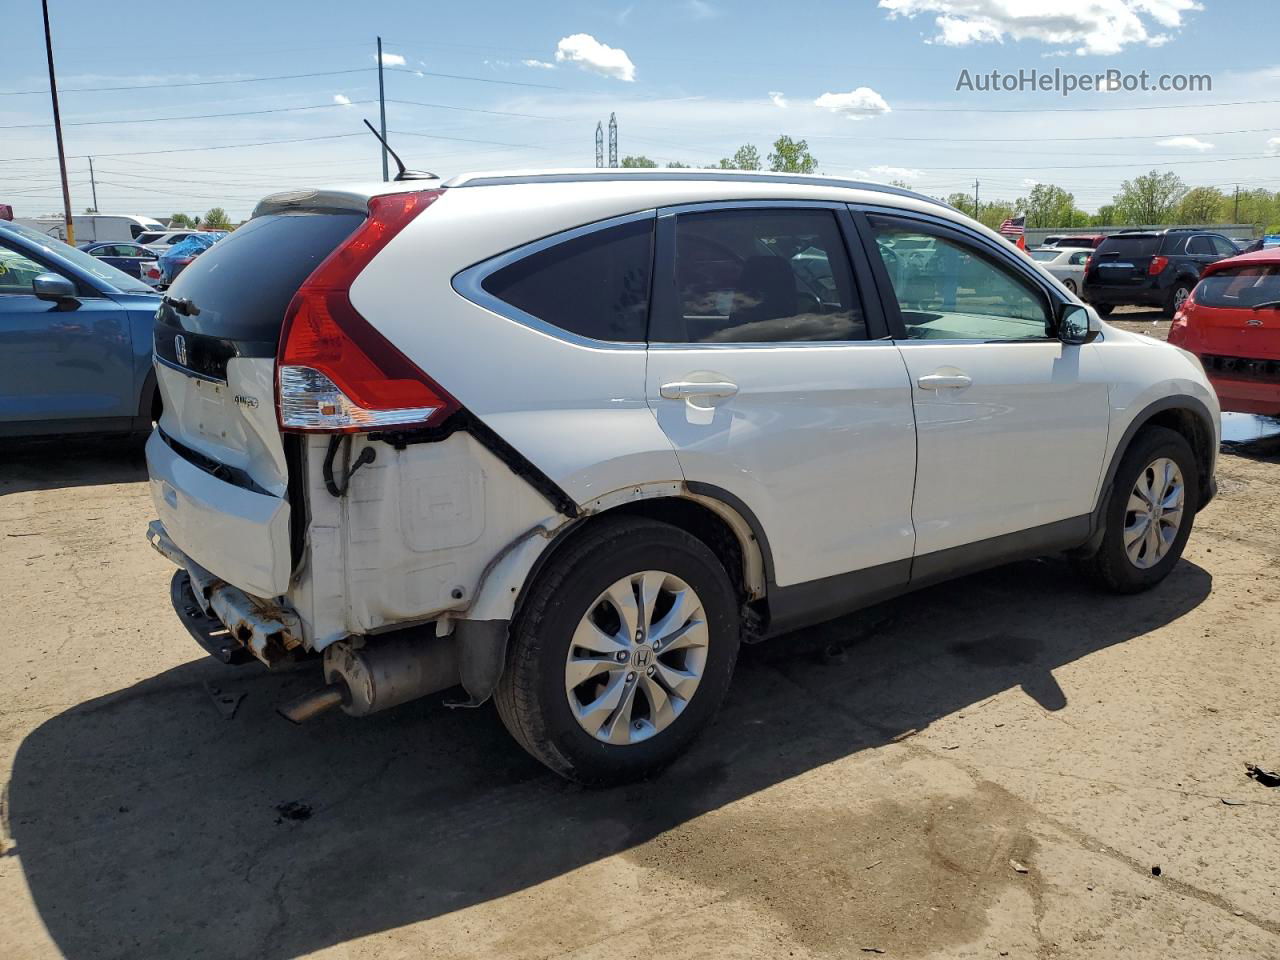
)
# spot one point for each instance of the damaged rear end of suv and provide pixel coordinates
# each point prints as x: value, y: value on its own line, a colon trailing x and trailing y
x: 322, y: 495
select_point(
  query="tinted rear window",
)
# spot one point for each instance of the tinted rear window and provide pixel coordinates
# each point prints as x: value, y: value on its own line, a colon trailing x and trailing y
x: 1075, y: 242
x: 242, y: 284
x: 149, y: 237
x: 595, y: 285
x: 1242, y: 287
x: 1139, y: 246
x: 1044, y: 256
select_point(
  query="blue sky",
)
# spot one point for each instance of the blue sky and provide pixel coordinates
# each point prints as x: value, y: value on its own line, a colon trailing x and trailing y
x: 870, y: 83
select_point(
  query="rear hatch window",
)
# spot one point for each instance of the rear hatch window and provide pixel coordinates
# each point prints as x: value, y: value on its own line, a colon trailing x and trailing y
x: 1241, y: 287
x: 1124, y: 259
x: 232, y: 300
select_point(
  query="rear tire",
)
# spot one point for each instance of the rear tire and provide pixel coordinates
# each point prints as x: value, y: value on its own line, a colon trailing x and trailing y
x: 1103, y: 309
x: 1149, y: 515
x: 1181, y: 290
x: 648, y: 683
x: 1070, y: 285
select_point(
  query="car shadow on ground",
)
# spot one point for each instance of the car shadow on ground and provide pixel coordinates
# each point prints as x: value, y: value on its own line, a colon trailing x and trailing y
x: 70, y: 462
x: 150, y: 823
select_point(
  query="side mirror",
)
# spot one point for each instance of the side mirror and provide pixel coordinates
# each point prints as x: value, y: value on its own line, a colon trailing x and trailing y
x: 1076, y: 324
x: 50, y: 286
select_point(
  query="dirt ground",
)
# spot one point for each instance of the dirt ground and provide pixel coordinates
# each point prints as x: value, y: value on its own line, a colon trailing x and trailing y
x: 994, y: 767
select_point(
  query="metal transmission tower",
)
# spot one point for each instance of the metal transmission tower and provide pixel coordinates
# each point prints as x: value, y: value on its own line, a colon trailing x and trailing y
x: 599, y: 145
x: 613, y: 140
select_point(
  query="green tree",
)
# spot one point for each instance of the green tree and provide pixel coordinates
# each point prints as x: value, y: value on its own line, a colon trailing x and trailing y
x: 217, y: 219
x: 746, y: 157
x: 1259, y: 207
x: 638, y: 161
x: 677, y: 165
x: 1105, y: 217
x: 1150, y: 199
x: 1201, y: 205
x: 994, y: 213
x: 1048, y: 206
x: 792, y: 156
x: 901, y: 184
x: 180, y: 220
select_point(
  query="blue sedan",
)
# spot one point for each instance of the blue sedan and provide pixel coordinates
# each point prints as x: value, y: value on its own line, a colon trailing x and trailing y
x: 132, y: 258
x: 75, y: 341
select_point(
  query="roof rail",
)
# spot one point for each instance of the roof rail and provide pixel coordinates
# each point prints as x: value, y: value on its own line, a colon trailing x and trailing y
x: 616, y: 173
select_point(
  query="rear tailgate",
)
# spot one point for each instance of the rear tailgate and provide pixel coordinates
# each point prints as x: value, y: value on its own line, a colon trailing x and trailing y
x: 1237, y: 315
x: 1123, y: 261
x: 218, y: 464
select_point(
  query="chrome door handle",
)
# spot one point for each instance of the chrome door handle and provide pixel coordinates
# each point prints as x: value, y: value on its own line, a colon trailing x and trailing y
x: 686, y: 389
x: 942, y: 381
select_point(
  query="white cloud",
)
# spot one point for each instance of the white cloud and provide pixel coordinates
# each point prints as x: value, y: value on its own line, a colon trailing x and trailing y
x: 540, y: 64
x: 342, y: 99
x: 1185, y: 143
x: 1273, y: 145
x: 856, y: 104
x: 1092, y: 26
x: 897, y: 173
x: 590, y: 54
x: 701, y: 10
x: 390, y: 59
x: 777, y: 99
x: 1030, y: 182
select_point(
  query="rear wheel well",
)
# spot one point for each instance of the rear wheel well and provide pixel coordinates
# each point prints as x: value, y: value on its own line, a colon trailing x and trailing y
x: 692, y: 517
x: 1195, y: 431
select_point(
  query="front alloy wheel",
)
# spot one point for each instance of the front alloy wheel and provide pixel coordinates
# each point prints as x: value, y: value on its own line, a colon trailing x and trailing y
x: 637, y: 657
x: 1153, y: 515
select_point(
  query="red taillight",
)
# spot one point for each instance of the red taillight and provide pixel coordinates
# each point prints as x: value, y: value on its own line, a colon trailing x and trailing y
x: 334, y: 372
x: 1088, y: 262
x: 1157, y: 265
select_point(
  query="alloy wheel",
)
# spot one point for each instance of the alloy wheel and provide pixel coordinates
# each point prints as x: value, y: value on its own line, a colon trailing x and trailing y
x: 1153, y: 515
x: 636, y: 657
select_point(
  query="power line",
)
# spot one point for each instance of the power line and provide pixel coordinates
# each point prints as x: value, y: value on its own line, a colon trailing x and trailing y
x: 225, y: 146
x: 194, y: 83
x: 194, y: 116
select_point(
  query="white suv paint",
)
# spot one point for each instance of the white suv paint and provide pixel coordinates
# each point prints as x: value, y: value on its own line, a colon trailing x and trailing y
x: 564, y: 439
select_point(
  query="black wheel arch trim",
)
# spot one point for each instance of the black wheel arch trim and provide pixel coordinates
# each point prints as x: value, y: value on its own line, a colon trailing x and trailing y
x: 1177, y: 402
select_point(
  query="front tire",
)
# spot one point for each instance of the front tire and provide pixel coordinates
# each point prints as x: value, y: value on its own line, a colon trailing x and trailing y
x: 1149, y: 515
x: 621, y: 653
x: 1104, y: 309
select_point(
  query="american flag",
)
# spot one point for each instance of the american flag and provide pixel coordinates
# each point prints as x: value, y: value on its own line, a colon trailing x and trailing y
x: 1014, y: 227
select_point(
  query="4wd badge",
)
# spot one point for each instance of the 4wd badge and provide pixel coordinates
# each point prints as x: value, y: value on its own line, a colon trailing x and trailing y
x: 244, y: 401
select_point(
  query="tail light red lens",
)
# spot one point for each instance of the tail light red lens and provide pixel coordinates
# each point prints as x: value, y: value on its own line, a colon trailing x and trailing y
x: 1157, y: 265
x: 334, y: 372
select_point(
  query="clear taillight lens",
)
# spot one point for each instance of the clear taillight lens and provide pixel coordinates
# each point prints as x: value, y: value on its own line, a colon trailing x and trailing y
x: 310, y: 401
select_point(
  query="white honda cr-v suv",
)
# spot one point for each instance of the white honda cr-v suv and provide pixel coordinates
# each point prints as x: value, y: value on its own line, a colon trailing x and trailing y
x: 567, y: 439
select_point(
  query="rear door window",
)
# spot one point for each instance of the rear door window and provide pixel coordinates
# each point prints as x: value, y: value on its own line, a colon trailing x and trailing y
x: 763, y: 276
x: 1200, y: 247
x: 595, y: 285
x: 1224, y: 247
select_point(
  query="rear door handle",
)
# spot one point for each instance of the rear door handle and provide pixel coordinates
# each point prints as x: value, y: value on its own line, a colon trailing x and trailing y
x: 686, y: 389
x: 944, y: 381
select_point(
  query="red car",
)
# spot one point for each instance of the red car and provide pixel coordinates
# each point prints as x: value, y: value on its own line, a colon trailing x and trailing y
x: 1231, y: 322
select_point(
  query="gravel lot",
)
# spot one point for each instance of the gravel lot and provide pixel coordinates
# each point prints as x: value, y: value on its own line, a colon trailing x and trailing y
x: 997, y: 766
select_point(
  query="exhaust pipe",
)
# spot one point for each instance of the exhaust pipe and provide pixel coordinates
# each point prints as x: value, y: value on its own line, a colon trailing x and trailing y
x: 312, y: 704
x: 383, y: 672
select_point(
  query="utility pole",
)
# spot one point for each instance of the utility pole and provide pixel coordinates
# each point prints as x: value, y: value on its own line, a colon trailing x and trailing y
x: 975, y: 199
x: 94, y: 184
x: 613, y: 140
x: 57, y: 129
x: 1235, y: 217
x: 599, y: 145
x: 382, y: 110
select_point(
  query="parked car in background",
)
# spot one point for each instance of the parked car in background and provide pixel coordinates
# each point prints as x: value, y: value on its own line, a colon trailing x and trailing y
x: 1088, y: 241
x: 178, y: 257
x: 1151, y: 269
x: 75, y: 341
x: 93, y: 227
x: 1231, y: 322
x: 1065, y: 263
x: 159, y: 242
x: 129, y: 257
x: 706, y: 436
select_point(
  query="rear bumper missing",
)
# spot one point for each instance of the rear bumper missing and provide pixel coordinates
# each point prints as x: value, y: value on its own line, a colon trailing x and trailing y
x: 228, y: 623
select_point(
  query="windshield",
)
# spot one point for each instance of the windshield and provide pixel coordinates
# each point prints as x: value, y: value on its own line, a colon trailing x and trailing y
x: 90, y: 265
x: 1242, y: 287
